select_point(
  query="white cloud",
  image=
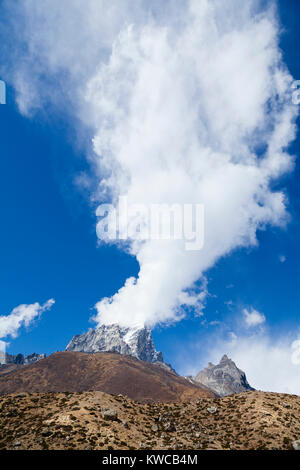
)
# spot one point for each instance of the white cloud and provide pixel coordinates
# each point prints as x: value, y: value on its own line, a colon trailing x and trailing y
x: 296, y: 352
x: 3, y: 346
x: 177, y: 117
x: 253, y: 317
x: 282, y: 258
x: 23, y: 315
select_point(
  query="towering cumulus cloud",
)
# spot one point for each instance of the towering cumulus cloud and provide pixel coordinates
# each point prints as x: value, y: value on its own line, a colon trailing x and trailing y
x: 190, y: 102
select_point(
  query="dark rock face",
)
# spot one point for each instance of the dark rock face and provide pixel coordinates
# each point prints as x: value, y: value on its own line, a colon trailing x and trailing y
x: 224, y: 378
x: 20, y: 359
x: 31, y: 358
x: 135, y: 342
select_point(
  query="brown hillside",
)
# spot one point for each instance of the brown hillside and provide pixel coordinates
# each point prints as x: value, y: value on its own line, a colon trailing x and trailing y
x: 106, y: 372
x: 8, y: 368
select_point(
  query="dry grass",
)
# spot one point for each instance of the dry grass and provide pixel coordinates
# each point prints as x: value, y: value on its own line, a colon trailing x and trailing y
x: 252, y: 420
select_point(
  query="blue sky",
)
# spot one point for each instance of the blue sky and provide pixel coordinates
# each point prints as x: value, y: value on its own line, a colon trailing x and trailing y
x: 48, y: 243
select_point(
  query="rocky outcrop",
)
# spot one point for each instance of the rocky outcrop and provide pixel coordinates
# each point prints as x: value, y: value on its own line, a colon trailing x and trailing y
x: 20, y: 359
x: 31, y: 358
x: 296, y: 445
x: 135, y: 342
x: 224, y: 378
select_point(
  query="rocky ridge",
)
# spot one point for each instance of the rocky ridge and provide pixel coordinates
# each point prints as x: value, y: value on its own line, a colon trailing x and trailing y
x: 20, y: 359
x: 135, y: 342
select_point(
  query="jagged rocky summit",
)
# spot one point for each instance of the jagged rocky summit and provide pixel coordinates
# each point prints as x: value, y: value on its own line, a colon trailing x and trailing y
x: 224, y: 378
x: 136, y: 342
x: 20, y: 358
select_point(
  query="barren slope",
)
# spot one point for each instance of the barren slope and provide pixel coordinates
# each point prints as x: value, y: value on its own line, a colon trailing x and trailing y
x: 8, y: 368
x: 106, y: 372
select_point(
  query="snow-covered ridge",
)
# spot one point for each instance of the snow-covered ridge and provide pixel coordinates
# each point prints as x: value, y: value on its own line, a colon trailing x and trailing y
x: 136, y: 342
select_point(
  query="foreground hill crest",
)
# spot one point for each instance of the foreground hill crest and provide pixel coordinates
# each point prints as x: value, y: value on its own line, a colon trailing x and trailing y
x: 97, y: 421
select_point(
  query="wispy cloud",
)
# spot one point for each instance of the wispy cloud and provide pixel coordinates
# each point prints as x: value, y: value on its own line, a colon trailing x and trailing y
x: 253, y: 317
x: 23, y: 315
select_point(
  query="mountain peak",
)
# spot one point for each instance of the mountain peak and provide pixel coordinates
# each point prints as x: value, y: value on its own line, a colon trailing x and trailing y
x: 224, y: 378
x: 132, y: 341
x: 224, y: 358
